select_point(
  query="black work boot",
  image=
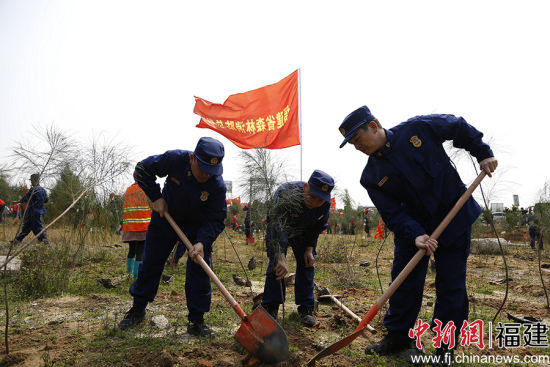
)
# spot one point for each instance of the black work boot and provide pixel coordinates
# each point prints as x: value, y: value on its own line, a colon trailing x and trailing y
x: 389, y: 345
x: 445, y: 356
x: 306, y: 315
x: 272, y: 309
x: 133, y: 317
x: 199, y: 328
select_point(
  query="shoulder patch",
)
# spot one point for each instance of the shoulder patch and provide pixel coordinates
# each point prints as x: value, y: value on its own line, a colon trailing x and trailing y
x: 415, y: 141
x: 382, y: 181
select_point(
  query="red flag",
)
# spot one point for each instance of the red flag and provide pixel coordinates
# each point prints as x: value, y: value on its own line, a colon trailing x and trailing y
x: 332, y: 205
x: 266, y: 117
x: 380, y: 229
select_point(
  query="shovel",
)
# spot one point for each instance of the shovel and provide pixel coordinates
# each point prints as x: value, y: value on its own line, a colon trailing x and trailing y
x: 324, y: 293
x: 399, y: 279
x: 259, y: 333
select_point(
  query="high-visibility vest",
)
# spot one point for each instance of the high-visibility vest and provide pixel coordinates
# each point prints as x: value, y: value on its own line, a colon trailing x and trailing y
x: 380, y: 229
x: 137, y: 213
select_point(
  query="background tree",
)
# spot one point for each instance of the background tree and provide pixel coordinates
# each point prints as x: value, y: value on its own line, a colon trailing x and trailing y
x: 47, y: 154
x: 352, y: 219
x: 542, y: 210
x: 262, y: 174
x: 65, y: 190
x: 8, y: 192
x: 512, y: 219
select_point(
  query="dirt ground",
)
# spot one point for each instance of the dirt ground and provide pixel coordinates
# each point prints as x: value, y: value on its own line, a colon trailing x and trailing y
x: 80, y: 330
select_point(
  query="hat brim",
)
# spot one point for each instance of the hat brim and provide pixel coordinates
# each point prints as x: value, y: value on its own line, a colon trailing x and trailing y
x: 211, y: 169
x: 350, y: 134
x: 319, y: 193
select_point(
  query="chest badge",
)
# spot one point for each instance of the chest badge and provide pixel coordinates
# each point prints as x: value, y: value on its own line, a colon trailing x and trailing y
x: 415, y: 141
x: 382, y: 181
x: 175, y: 180
x: 204, y: 195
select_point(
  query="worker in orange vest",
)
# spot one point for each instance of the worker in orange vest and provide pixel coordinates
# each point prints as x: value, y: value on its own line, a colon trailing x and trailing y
x: 135, y: 220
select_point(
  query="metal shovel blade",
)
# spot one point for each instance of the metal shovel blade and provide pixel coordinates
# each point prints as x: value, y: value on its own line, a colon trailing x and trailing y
x: 263, y: 337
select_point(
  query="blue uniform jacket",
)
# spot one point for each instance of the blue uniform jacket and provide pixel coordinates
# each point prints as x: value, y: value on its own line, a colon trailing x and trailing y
x: 199, y: 208
x: 305, y: 224
x: 36, y: 198
x: 412, y: 182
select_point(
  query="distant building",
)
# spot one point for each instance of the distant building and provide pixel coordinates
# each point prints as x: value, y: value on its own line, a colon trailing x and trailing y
x: 229, y: 187
x: 497, y: 207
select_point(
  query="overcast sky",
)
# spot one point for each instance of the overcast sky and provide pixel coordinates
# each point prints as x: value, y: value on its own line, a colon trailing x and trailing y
x: 130, y: 69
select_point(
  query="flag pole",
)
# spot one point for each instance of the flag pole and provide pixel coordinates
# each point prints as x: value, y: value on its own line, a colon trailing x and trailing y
x: 300, y: 115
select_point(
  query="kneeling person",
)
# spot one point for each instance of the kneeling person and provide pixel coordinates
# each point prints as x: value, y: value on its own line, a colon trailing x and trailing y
x: 299, y: 213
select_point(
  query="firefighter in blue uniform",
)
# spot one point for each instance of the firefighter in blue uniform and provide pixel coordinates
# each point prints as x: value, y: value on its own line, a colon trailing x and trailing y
x: 297, y: 225
x: 35, y: 198
x: 413, y: 184
x: 194, y: 195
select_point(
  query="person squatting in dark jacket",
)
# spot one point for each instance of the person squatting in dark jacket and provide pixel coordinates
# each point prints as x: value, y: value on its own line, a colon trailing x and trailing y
x: 194, y: 195
x: 35, y: 198
x: 298, y: 215
x: 413, y: 184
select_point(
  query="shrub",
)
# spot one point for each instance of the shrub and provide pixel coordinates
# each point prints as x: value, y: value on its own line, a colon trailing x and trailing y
x: 44, y: 271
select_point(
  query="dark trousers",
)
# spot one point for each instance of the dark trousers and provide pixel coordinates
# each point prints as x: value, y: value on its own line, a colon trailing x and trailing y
x: 303, y: 286
x: 135, y: 249
x: 534, y: 235
x: 32, y: 223
x: 159, y: 243
x: 451, y: 298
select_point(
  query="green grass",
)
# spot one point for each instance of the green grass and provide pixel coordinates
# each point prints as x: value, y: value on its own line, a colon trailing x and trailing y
x: 108, y: 346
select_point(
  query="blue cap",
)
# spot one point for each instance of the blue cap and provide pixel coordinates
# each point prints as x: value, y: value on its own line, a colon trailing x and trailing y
x: 353, y: 122
x: 209, y: 153
x: 321, y: 184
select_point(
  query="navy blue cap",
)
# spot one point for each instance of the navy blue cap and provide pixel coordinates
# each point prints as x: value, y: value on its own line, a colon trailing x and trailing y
x: 353, y: 122
x: 321, y: 184
x: 209, y: 153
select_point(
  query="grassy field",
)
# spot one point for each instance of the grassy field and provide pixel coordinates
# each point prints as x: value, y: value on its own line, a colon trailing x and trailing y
x: 59, y: 315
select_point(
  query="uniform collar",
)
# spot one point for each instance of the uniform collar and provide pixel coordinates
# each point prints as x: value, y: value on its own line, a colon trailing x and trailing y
x: 189, y: 175
x: 386, y: 148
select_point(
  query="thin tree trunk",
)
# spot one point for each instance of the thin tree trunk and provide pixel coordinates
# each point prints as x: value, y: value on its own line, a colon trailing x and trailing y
x: 6, y: 303
x: 539, y: 250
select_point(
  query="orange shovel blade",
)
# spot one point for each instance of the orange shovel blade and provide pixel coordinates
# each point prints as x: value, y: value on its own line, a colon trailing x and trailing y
x: 263, y: 337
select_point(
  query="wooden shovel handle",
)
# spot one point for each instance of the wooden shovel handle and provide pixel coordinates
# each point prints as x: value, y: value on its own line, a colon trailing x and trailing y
x: 435, y: 235
x: 399, y: 279
x: 205, y: 267
x: 350, y: 312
